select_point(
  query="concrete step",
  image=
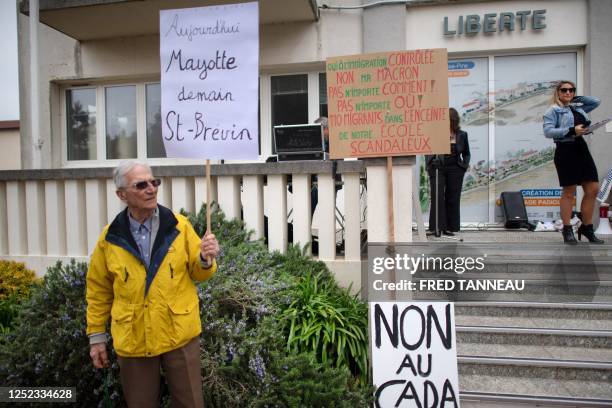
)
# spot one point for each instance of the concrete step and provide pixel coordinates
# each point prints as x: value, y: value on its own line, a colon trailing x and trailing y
x: 534, y: 291
x: 543, y: 268
x: 494, y: 335
x: 534, y: 315
x: 498, y: 400
x: 537, y: 355
x: 536, y: 381
x: 536, y: 305
x: 570, y: 362
x: 512, y: 249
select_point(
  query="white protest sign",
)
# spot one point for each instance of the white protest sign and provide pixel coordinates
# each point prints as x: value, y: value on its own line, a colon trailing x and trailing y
x: 210, y: 81
x: 414, y: 355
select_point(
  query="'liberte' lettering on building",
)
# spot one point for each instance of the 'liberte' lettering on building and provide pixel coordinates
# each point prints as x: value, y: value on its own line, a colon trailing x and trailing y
x: 491, y: 22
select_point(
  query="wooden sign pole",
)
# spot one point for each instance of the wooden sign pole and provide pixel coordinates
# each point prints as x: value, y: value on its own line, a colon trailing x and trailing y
x: 208, y: 227
x: 390, y: 198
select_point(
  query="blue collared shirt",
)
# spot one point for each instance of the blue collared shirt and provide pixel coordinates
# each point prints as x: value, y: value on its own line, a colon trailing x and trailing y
x: 142, y: 236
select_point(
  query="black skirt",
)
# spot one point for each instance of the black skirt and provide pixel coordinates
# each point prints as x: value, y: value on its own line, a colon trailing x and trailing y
x: 574, y: 163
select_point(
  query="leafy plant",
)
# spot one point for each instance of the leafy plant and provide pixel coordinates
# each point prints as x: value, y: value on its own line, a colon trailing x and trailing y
x: 329, y: 322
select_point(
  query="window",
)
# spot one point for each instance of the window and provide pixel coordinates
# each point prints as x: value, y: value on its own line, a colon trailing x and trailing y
x: 155, y: 143
x: 322, y: 94
x: 121, y: 135
x: 123, y: 120
x: 289, y: 99
x: 113, y: 122
x: 81, y: 124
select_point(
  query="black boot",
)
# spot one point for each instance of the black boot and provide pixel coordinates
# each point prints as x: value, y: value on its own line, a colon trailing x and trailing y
x: 587, y: 231
x: 568, y: 235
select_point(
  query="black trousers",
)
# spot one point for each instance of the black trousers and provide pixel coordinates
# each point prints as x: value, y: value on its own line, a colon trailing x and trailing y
x: 450, y: 182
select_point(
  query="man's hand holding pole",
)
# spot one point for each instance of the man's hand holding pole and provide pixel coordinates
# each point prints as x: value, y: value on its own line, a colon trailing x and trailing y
x: 209, y: 247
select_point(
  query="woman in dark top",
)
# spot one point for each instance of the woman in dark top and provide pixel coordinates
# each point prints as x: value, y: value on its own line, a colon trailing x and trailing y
x: 565, y: 122
x: 450, y: 171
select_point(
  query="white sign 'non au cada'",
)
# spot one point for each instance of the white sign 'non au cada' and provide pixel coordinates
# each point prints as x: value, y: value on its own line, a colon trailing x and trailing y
x: 209, y: 81
x: 414, y: 355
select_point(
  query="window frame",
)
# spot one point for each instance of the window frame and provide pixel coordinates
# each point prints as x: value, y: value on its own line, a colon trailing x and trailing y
x: 266, y: 103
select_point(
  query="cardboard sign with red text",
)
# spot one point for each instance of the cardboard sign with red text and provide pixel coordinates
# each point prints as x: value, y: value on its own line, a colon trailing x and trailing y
x: 388, y: 104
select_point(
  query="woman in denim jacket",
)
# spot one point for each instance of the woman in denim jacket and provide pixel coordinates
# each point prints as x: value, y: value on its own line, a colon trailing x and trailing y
x: 565, y: 122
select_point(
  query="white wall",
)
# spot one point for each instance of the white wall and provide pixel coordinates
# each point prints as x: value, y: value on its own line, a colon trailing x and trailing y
x: 281, y: 45
x: 120, y: 57
x: 58, y: 58
x: 9, y: 150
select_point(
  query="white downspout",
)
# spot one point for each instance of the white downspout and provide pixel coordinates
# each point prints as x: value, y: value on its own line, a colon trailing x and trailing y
x: 34, y: 93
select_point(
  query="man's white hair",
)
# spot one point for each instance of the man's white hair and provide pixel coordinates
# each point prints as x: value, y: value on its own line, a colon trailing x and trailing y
x: 124, y: 168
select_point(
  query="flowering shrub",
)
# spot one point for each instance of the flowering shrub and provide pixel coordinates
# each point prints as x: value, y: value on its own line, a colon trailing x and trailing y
x: 245, y: 359
x: 48, y: 346
x: 15, y: 279
x: 15, y: 284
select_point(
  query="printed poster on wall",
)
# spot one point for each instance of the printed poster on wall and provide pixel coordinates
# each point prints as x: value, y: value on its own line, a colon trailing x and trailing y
x: 209, y: 80
x: 414, y: 354
x: 388, y: 104
x: 523, y: 156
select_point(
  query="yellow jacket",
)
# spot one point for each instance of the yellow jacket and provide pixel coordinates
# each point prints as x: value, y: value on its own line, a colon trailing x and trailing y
x: 154, y: 311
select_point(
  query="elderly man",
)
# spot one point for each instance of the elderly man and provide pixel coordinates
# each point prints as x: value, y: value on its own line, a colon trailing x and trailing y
x: 141, y: 276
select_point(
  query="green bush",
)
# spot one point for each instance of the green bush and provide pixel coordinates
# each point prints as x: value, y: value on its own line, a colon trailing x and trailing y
x: 9, y: 306
x: 245, y: 360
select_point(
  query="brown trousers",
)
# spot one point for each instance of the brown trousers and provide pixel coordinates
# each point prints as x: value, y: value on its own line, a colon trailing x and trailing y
x: 140, y: 377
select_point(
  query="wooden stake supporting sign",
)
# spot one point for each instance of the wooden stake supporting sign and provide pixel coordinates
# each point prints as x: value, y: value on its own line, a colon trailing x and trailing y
x: 208, y: 226
x: 390, y: 199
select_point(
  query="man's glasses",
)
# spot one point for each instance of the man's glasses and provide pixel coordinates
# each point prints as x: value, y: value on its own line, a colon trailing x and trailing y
x: 567, y: 90
x: 141, y: 185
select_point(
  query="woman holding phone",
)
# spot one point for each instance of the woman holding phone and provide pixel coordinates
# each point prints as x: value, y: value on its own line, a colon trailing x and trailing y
x: 566, y: 122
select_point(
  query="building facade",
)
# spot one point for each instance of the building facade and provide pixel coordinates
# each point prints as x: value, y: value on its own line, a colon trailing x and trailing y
x: 99, y: 97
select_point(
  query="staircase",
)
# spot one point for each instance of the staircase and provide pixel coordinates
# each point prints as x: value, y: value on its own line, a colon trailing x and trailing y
x: 547, y: 346
x: 552, y: 354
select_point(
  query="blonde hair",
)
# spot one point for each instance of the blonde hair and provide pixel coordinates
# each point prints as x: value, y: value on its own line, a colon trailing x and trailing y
x: 554, y: 99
